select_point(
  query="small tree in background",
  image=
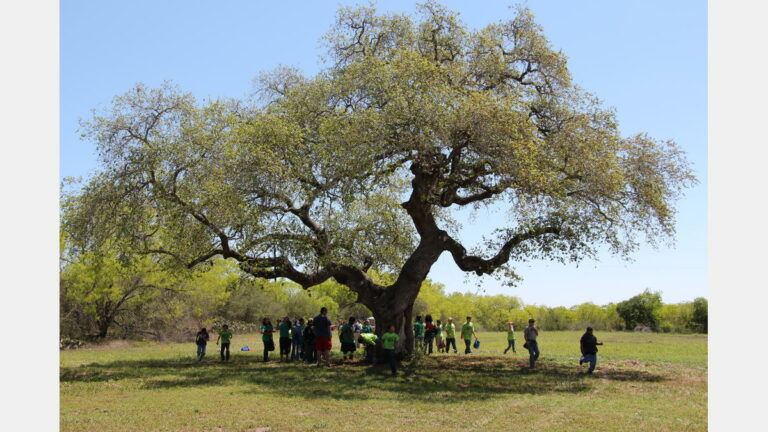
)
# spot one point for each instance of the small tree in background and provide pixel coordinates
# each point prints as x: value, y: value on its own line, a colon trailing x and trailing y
x: 700, y: 317
x: 642, y: 309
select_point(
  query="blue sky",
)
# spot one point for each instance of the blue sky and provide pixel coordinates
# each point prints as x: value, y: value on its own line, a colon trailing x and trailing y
x: 648, y: 59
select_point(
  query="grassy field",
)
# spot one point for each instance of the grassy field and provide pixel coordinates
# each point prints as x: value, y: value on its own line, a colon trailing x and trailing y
x: 643, y: 382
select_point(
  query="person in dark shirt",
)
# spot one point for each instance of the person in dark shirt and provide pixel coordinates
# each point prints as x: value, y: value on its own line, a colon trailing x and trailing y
x: 322, y: 327
x: 589, y: 345
x: 201, y: 339
x: 309, y: 342
x: 429, y: 334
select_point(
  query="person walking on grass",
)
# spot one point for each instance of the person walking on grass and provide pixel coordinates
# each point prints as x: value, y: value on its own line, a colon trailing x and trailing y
x: 309, y: 342
x: 347, y: 339
x: 467, y: 332
x: 297, y: 338
x: 285, y: 339
x: 418, y: 333
x: 510, y: 337
x: 225, y: 336
x: 531, y: 334
x: 389, y: 341
x: 201, y: 340
x: 450, y: 336
x: 429, y: 334
x: 322, y: 328
x: 589, y: 345
x: 266, y: 337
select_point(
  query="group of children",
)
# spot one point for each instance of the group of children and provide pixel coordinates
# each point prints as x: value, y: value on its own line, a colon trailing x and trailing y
x: 311, y: 342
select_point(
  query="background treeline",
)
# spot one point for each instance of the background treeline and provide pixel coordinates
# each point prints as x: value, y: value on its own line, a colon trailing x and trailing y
x: 106, y: 295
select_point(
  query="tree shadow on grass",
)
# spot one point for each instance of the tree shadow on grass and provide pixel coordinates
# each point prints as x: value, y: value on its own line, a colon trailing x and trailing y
x: 443, y: 378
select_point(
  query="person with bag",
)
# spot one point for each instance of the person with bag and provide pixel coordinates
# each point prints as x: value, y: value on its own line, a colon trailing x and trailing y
x: 201, y: 340
x: 225, y: 335
x: 467, y: 332
x: 589, y: 345
x: 266, y: 332
x: 531, y: 334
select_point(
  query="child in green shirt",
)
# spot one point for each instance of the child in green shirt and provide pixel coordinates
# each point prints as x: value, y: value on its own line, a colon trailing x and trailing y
x: 450, y: 336
x: 347, y: 339
x: 389, y: 340
x: 467, y: 331
x: 266, y: 332
x: 225, y: 336
x: 510, y: 337
x: 418, y: 333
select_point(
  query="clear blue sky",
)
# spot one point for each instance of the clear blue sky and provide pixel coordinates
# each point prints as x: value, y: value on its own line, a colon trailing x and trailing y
x: 648, y: 59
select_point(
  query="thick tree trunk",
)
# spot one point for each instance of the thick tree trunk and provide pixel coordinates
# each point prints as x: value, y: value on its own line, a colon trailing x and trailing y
x: 395, y: 308
x: 104, y: 325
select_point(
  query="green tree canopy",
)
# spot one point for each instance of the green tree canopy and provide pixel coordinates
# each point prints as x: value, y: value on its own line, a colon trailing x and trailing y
x: 642, y: 309
x: 361, y: 165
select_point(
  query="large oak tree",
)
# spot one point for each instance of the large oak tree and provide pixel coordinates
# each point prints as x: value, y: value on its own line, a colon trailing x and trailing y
x: 360, y: 166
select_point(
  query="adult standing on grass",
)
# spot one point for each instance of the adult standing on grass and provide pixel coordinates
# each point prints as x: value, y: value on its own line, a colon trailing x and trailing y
x: 467, y: 332
x: 201, y: 339
x: 322, y: 327
x: 389, y: 340
x: 347, y: 339
x: 285, y: 339
x: 450, y: 336
x: 297, y: 336
x: 309, y: 342
x: 225, y: 336
x: 589, y: 345
x: 531, y: 334
x: 418, y: 333
x: 266, y: 337
x: 510, y: 337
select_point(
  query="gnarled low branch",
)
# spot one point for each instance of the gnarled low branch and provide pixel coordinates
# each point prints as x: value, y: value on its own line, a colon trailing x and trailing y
x: 486, y: 266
